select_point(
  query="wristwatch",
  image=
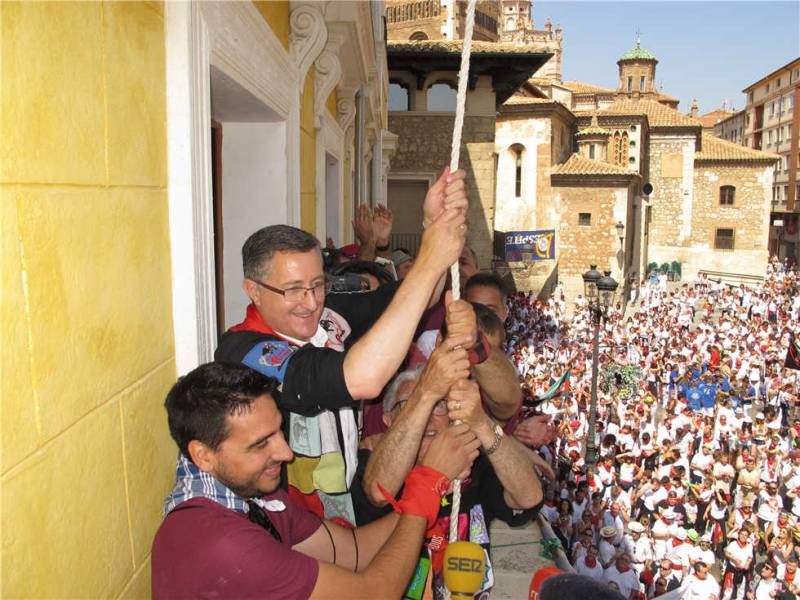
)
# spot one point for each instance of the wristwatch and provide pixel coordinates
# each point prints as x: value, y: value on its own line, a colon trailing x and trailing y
x: 498, y: 437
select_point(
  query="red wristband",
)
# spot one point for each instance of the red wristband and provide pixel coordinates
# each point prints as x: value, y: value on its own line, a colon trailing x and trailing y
x: 422, y: 494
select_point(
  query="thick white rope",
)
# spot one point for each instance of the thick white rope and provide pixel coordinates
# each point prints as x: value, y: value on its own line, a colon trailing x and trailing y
x: 455, y: 279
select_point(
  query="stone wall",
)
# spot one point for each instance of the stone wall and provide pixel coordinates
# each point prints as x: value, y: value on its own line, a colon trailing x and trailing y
x: 423, y: 149
x: 671, y: 163
x: 579, y: 246
x: 748, y: 217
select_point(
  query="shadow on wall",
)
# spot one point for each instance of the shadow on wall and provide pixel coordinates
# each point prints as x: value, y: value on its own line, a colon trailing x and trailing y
x: 480, y: 213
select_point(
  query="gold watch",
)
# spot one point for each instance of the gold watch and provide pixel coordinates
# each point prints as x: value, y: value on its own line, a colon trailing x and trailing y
x: 498, y: 437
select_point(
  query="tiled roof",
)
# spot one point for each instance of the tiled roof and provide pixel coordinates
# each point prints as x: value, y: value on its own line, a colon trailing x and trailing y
x: 663, y: 96
x: 717, y: 149
x: 578, y: 165
x: 658, y: 115
x: 637, y: 53
x: 454, y: 47
x: 520, y: 99
x: 715, y: 116
x: 579, y: 87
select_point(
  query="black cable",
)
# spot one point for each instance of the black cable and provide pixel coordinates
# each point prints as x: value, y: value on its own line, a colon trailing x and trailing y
x: 331, y: 538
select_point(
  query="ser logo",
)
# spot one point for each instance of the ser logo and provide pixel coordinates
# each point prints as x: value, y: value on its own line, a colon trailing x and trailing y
x: 464, y: 565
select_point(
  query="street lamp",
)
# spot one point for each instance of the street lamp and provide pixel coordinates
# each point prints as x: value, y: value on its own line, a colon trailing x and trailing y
x: 600, y: 295
x: 620, y: 227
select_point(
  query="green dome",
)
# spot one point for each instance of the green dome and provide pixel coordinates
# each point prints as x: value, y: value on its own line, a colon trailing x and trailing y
x: 638, y: 53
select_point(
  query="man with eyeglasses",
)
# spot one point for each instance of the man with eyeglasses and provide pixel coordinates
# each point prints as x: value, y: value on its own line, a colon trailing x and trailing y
x: 418, y: 407
x: 330, y: 352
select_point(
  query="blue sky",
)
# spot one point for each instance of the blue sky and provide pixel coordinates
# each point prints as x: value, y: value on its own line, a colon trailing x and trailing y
x: 706, y: 50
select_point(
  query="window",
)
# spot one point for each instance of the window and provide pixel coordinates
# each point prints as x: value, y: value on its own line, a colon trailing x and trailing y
x: 726, y: 195
x: 398, y: 98
x: 779, y: 83
x: 630, y: 83
x: 724, y: 239
x: 517, y: 152
x: 771, y: 109
x: 442, y: 98
x: 591, y: 150
x: 641, y: 83
x: 418, y: 36
x: 584, y: 219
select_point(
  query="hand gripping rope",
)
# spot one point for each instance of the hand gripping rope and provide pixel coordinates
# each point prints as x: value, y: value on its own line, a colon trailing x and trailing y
x: 455, y: 279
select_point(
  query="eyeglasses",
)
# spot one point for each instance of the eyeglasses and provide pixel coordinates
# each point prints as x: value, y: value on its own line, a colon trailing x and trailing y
x: 295, y: 295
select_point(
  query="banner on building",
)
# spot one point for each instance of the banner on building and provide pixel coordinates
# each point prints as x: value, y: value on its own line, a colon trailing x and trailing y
x: 525, y: 246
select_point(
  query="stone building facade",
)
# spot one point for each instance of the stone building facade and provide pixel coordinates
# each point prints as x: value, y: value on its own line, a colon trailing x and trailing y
x: 772, y: 123
x: 622, y: 177
x: 424, y: 127
x: 709, y: 205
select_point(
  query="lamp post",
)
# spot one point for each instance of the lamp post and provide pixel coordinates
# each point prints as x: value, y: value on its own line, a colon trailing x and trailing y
x: 599, y: 293
x: 620, y: 227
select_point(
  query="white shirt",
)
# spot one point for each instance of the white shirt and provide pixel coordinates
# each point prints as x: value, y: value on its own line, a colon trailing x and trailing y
x: 701, y: 589
x: 582, y: 568
x: 627, y: 582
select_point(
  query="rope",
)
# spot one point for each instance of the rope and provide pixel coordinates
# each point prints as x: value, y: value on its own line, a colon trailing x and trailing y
x: 455, y: 278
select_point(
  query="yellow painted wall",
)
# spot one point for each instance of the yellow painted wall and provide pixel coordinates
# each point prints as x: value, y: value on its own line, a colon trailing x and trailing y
x: 86, y: 320
x: 308, y: 158
x: 276, y: 14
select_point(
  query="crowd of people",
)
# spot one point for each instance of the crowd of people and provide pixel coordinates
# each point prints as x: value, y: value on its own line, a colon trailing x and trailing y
x: 697, y: 481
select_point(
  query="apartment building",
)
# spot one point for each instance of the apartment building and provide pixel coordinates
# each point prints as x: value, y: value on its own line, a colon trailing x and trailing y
x: 772, y: 124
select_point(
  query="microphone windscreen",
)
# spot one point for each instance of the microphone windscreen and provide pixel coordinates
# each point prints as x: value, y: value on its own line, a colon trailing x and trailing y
x: 464, y: 568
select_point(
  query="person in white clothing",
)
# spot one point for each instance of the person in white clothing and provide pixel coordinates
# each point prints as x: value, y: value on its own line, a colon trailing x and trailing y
x: 767, y: 588
x: 703, y: 552
x: 701, y: 585
x: 639, y: 545
x: 621, y: 574
x: 588, y: 564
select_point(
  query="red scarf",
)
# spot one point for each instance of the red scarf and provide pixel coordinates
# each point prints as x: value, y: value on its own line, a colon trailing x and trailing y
x: 253, y: 321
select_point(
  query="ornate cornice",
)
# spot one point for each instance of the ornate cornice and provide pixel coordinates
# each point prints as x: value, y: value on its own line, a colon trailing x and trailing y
x: 328, y: 72
x: 346, y: 108
x: 307, y: 36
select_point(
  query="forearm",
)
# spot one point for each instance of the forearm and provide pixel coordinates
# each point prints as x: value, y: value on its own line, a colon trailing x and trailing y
x: 396, y: 452
x: 513, y: 466
x: 366, y: 250
x: 389, y: 571
x: 374, y: 358
x: 500, y: 383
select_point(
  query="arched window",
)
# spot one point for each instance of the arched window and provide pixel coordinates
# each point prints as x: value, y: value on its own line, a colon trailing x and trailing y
x: 517, y: 151
x: 726, y: 195
x: 398, y: 97
x: 418, y: 36
x: 442, y: 97
x: 510, y: 24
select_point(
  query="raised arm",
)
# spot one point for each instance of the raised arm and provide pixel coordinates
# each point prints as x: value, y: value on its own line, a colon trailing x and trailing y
x: 509, y: 458
x: 387, y: 555
x: 396, y: 452
x: 499, y: 381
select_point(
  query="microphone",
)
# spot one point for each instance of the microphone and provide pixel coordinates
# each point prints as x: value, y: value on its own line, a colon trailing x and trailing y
x: 464, y: 567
